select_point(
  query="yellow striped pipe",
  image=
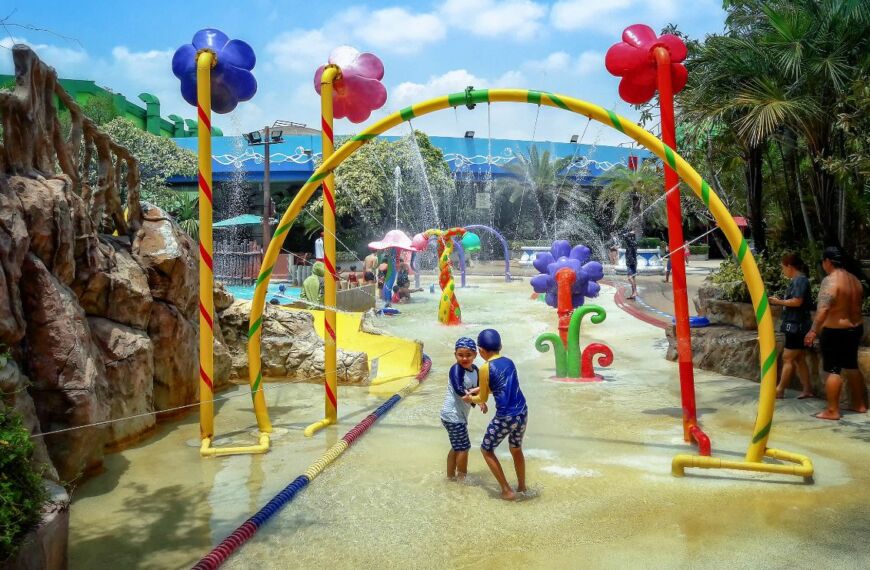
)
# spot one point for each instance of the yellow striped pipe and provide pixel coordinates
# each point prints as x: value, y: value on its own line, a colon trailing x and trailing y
x: 205, y: 60
x: 766, y: 339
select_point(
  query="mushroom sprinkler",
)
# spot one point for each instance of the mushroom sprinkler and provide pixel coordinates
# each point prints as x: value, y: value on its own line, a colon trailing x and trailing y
x: 215, y: 75
x: 470, y: 243
x: 392, y: 243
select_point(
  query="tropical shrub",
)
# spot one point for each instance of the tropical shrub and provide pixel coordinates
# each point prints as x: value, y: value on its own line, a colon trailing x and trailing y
x: 729, y: 278
x: 649, y: 243
x: 21, y: 490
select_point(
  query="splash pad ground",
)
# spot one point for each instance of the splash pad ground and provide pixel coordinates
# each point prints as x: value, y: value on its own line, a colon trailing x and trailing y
x: 598, y: 462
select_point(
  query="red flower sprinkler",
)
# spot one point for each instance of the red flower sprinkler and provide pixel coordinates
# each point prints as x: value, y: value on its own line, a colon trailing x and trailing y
x: 358, y: 91
x: 349, y: 86
x: 647, y: 62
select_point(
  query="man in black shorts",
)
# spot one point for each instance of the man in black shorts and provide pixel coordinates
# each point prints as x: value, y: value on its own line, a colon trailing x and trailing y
x: 842, y: 328
x: 631, y: 261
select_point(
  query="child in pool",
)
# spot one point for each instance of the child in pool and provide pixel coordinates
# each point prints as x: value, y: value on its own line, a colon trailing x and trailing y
x: 454, y: 412
x: 499, y: 375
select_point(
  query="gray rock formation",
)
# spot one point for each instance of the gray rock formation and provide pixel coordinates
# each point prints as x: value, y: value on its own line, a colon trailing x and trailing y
x: 69, y: 385
x: 128, y: 360
x: 170, y: 259
x: 291, y: 349
x: 100, y: 310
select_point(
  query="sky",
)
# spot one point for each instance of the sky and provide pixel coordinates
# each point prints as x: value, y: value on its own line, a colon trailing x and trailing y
x: 428, y: 49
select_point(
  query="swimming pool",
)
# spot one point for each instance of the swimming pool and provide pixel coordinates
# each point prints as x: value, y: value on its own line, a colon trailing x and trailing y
x: 246, y: 292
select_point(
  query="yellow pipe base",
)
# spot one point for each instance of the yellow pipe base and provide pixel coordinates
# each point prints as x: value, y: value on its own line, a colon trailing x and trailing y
x: 800, y: 465
x: 317, y: 426
x: 206, y: 450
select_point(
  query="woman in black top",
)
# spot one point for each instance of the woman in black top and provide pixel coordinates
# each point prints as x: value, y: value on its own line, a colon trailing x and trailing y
x: 796, y: 321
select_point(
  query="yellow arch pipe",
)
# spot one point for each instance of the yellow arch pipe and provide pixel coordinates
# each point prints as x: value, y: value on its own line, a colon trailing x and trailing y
x: 766, y: 339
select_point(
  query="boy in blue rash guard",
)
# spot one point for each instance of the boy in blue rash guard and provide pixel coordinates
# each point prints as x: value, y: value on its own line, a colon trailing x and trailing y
x: 499, y: 375
x: 454, y: 412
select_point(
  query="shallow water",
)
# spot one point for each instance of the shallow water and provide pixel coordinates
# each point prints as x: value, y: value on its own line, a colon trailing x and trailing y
x: 598, y: 466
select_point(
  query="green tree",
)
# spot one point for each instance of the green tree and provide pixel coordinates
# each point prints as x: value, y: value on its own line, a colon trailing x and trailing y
x: 539, y: 182
x: 786, y: 82
x: 629, y: 196
x: 159, y: 159
x: 366, y: 190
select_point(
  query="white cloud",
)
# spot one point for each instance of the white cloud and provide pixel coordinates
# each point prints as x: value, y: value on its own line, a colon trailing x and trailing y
x: 520, y: 19
x: 589, y: 62
x: 299, y: 50
x: 612, y: 16
x: 59, y: 57
x: 451, y: 82
x: 556, y: 61
x: 148, y: 69
x: 395, y: 29
x: 561, y: 62
x: 568, y: 15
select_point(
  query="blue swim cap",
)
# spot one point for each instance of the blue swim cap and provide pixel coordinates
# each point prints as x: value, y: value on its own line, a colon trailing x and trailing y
x: 490, y: 340
x: 465, y: 342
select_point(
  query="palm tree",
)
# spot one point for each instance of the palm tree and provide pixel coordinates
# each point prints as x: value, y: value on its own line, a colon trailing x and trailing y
x: 776, y: 75
x: 544, y: 181
x: 820, y: 47
x: 628, y: 193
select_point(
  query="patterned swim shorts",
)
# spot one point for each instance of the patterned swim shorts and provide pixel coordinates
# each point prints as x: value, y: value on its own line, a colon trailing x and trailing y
x: 512, y: 427
x: 458, y: 434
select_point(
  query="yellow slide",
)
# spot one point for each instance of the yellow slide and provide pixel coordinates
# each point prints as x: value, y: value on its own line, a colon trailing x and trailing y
x: 391, y: 358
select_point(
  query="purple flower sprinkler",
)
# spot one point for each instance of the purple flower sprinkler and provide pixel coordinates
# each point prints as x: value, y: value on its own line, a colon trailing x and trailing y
x: 566, y: 279
x: 561, y: 256
x: 231, y: 77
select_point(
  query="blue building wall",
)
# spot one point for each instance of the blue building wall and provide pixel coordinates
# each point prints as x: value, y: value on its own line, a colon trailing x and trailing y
x: 295, y: 158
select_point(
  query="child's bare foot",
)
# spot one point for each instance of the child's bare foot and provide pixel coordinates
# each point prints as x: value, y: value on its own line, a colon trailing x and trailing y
x: 859, y: 409
x: 522, y: 489
x: 780, y: 394
x: 460, y: 477
x: 805, y: 395
x: 826, y: 415
x: 508, y: 495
